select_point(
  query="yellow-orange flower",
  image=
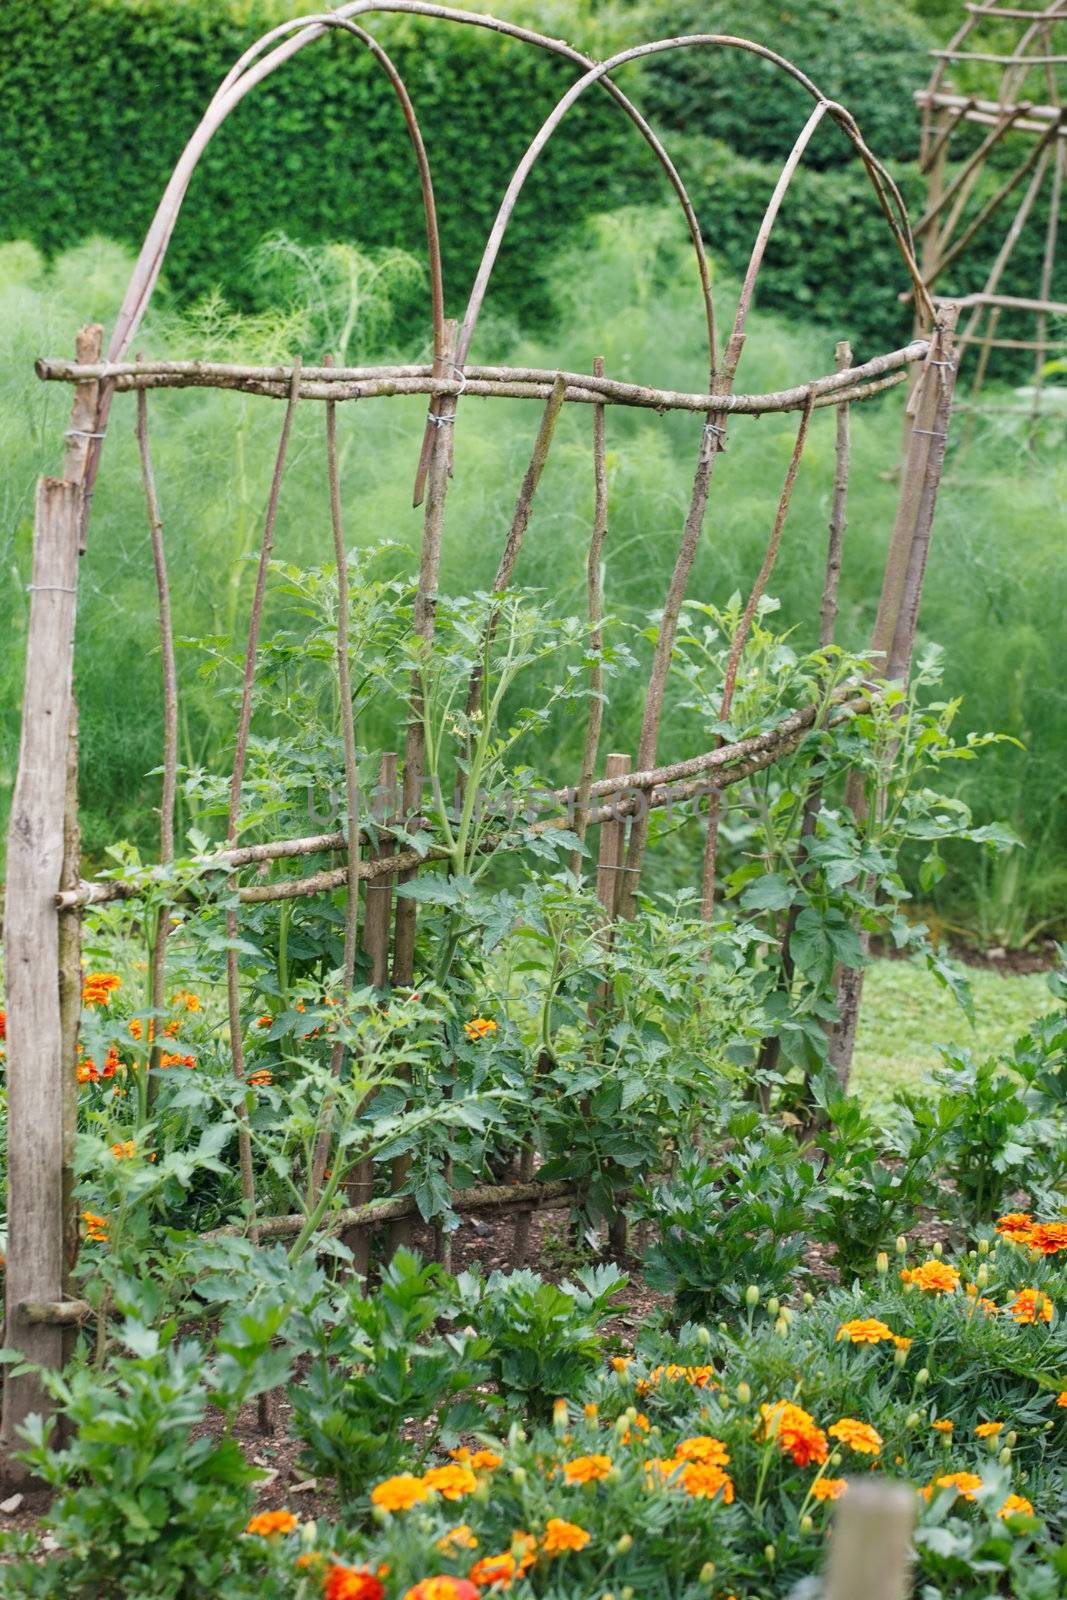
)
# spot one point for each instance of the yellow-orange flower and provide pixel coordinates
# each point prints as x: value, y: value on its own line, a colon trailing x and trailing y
x: 988, y: 1430
x: 271, y: 1522
x: 443, y: 1587
x: 586, y: 1469
x: 1015, y: 1226
x: 859, y: 1436
x: 828, y: 1488
x: 95, y: 1227
x: 453, y: 1481
x: 864, y: 1330
x: 187, y: 1000
x: 702, y: 1447
x: 619, y: 1364
x: 1061, y: 1399
x: 943, y: 1425
x: 560, y: 1536
x: 703, y: 1481
x: 499, y: 1570
x: 964, y: 1483
x: 1016, y: 1505
x: 661, y: 1469
x: 796, y: 1432
x: 1048, y: 1237
x: 399, y: 1493
x: 477, y: 1460
x: 641, y: 1425
x: 479, y: 1028
x: 98, y: 987
x: 352, y: 1583
x: 1031, y: 1305
x: 900, y: 1342
x: 262, y: 1078
x: 461, y: 1538
x: 124, y: 1149
x: 933, y: 1276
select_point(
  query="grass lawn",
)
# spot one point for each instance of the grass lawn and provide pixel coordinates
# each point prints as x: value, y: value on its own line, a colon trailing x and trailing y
x: 907, y: 1014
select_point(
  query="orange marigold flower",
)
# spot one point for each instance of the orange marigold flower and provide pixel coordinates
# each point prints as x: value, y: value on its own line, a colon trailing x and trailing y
x: 933, y: 1276
x: 260, y: 1079
x: 828, y: 1488
x: 3, y: 1024
x: 187, y: 1000
x: 399, y: 1493
x: 619, y: 1364
x: 264, y: 1022
x: 112, y: 1061
x: 271, y: 1522
x: 453, y: 1481
x: 796, y: 1432
x: 660, y: 1470
x: 703, y: 1481
x: 900, y: 1342
x: 500, y: 1570
x: 1031, y: 1305
x: 461, y: 1538
x: 988, y: 1307
x: 1048, y: 1237
x: 443, y: 1588
x: 98, y: 987
x: 176, y: 1059
x: 988, y: 1430
x: 560, y: 1536
x: 1061, y: 1399
x: 702, y: 1447
x: 479, y: 1028
x: 1015, y: 1226
x: 352, y: 1583
x: 586, y: 1469
x: 95, y: 1227
x: 87, y: 1071
x: 943, y: 1425
x: 864, y: 1330
x: 124, y: 1149
x: 477, y: 1460
x: 859, y: 1436
x: 964, y: 1483
x: 1016, y: 1505
x: 641, y: 1425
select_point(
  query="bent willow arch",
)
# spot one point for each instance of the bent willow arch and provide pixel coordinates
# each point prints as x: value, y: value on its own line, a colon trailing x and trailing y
x: 45, y: 891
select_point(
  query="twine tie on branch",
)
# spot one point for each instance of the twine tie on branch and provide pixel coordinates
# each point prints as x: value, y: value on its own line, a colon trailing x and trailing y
x: 49, y: 588
x: 82, y: 433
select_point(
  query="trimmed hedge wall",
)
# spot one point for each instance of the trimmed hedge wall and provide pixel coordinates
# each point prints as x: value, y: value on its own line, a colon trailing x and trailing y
x: 98, y: 96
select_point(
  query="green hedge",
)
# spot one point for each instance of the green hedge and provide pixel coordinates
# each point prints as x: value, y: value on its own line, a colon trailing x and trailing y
x: 98, y: 96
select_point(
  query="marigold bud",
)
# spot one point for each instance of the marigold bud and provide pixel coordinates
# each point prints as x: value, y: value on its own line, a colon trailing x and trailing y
x: 752, y: 1295
x: 744, y: 1393
x: 912, y: 1420
x: 704, y: 1337
x: 983, y: 1247
x: 518, y: 1475
x: 806, y: 1524
x: 781, y: 1326
x: 922, y: 1377
x: 560, y: 1415
x: 774, y: 1305
x: 623, y: 1543
x: 627, y: 1593
x: 809, y: 1298
x: 1011, y: 1439
x: 900, y: 1355
x: 707, y: 1572
x: 722, y: 1327
x: 770, y: 1554
x: 981, y: 1277
x: 902, y: 1245
x: 881, y: 1263
x: 1005, y: 1456
x: 939, y: 1249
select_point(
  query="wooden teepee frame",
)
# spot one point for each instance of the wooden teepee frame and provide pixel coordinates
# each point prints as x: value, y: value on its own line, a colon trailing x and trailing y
x: 45, y: 895
x: 1028, y: 112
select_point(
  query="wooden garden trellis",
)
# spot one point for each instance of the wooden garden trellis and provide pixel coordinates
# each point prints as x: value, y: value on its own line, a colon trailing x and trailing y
x: 45, y: 895
x: 1027, y: 113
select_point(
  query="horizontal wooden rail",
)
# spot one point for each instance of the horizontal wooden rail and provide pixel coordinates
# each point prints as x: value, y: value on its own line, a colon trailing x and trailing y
x: 524, y: 383
x: 487, y: 1197
x: 655, y: 788
x: 990, y: 112
x: 1010, y: 302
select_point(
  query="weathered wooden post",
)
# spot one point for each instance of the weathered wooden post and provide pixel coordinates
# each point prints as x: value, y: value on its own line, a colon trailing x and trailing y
x: 42, y: 944
x: 870, y: 1552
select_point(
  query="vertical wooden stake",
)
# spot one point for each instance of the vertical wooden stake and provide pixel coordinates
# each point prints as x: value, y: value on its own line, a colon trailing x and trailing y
x: 37, y: 1067
x: 870, y: 1552
x: 377, y: 922
x: 610, y: 863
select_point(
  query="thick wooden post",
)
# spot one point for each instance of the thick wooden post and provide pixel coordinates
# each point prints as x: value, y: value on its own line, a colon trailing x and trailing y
x: 870, y: 1552
x: 38, y: 1067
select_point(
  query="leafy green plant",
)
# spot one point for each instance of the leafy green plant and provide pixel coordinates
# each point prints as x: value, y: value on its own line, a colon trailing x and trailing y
x: 877, y: 1177
x: 371, y: 1365
x: 729, y: 1220
x: 542, y: 1339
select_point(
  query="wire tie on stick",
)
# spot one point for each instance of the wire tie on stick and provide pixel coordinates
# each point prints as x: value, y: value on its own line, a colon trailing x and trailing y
x: 462, y: 376
x: 931, y: 433
x: 603, y: 867
x: 438, y: 422
x: 82, y: 433
x: 714, y: 427
x: 50, y: 588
